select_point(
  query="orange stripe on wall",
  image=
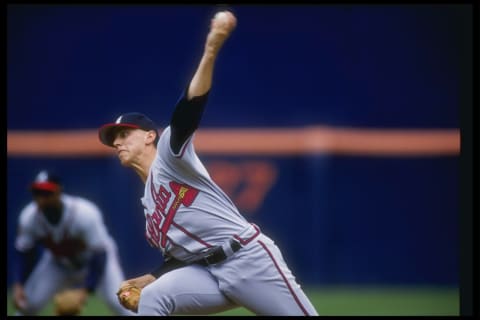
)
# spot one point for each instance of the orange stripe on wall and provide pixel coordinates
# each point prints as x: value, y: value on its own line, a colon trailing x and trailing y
x: 294, y: 141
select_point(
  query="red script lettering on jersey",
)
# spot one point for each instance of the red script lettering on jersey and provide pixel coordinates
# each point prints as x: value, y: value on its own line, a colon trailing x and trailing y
x: 160, y: 220
x: 67, y: 246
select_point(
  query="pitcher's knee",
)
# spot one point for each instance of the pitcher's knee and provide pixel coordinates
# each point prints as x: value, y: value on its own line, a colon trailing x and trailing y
x: 155, y: 302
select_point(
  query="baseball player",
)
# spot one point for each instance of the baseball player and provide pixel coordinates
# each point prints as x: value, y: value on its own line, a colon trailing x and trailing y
x: 78, y: 250
x: 214, y: 258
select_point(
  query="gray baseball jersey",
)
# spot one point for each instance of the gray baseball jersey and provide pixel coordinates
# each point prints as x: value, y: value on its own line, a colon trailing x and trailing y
x: 187, y: 214
x: 73, y: 239
x: 69, y: 244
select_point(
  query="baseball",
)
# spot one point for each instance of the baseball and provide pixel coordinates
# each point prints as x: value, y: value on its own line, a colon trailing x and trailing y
x: 221, y: 16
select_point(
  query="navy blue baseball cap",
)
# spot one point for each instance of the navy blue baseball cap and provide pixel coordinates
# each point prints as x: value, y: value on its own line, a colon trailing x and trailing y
x: 133, y: 120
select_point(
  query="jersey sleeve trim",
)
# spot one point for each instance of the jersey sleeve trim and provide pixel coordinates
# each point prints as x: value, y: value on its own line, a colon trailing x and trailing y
x: 180, y: 153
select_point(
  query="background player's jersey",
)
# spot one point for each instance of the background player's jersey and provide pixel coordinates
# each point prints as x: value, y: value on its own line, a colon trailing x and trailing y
x: 186, y: 212
x: 72, y: 241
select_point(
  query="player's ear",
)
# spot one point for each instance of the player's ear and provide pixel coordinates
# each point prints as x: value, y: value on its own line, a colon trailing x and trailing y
x: 150, y: 137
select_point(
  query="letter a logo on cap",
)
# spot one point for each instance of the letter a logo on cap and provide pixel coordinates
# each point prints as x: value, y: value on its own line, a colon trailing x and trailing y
x: 119, y: 119
x: 42, y: 177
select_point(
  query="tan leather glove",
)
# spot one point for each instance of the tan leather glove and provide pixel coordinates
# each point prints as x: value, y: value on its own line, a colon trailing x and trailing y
x: 69, y: 302
x: 129, y: 296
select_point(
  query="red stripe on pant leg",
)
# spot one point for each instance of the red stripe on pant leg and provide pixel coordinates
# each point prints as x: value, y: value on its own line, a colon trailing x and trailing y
x: 284, y: 278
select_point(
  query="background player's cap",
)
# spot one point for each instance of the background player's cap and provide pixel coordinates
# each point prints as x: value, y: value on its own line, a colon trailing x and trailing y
x: 46, y: 181
x: 134, y: 120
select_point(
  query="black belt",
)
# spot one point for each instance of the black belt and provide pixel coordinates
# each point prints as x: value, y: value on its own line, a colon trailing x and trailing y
x: 218, y: 255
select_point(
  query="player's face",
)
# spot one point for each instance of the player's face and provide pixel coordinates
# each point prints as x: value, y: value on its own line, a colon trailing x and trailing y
x: 130, y: 144
x: 49, y: 203
x: 45, y: 198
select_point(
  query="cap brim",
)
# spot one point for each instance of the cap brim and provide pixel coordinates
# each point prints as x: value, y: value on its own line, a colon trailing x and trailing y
x: 106, y: 133
x: 45, y: 186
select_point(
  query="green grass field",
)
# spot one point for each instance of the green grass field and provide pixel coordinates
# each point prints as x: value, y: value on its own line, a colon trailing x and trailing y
x: 344, y: 301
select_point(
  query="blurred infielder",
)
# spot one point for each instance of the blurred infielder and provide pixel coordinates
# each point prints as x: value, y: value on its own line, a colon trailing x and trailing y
x: 78, y: 250
x: 214, y: 258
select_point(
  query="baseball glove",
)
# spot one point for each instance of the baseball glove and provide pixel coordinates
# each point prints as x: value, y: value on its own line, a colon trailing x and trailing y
x: 68, y: 302
x: 129, y: 296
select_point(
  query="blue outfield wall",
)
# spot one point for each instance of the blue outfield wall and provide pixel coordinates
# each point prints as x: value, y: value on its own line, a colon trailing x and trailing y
x: 338, y: 218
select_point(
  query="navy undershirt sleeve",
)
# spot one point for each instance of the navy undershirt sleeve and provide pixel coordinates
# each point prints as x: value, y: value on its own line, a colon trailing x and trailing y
x: 185, y: 119
x: 167, y: 266
x: 96, y: 267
